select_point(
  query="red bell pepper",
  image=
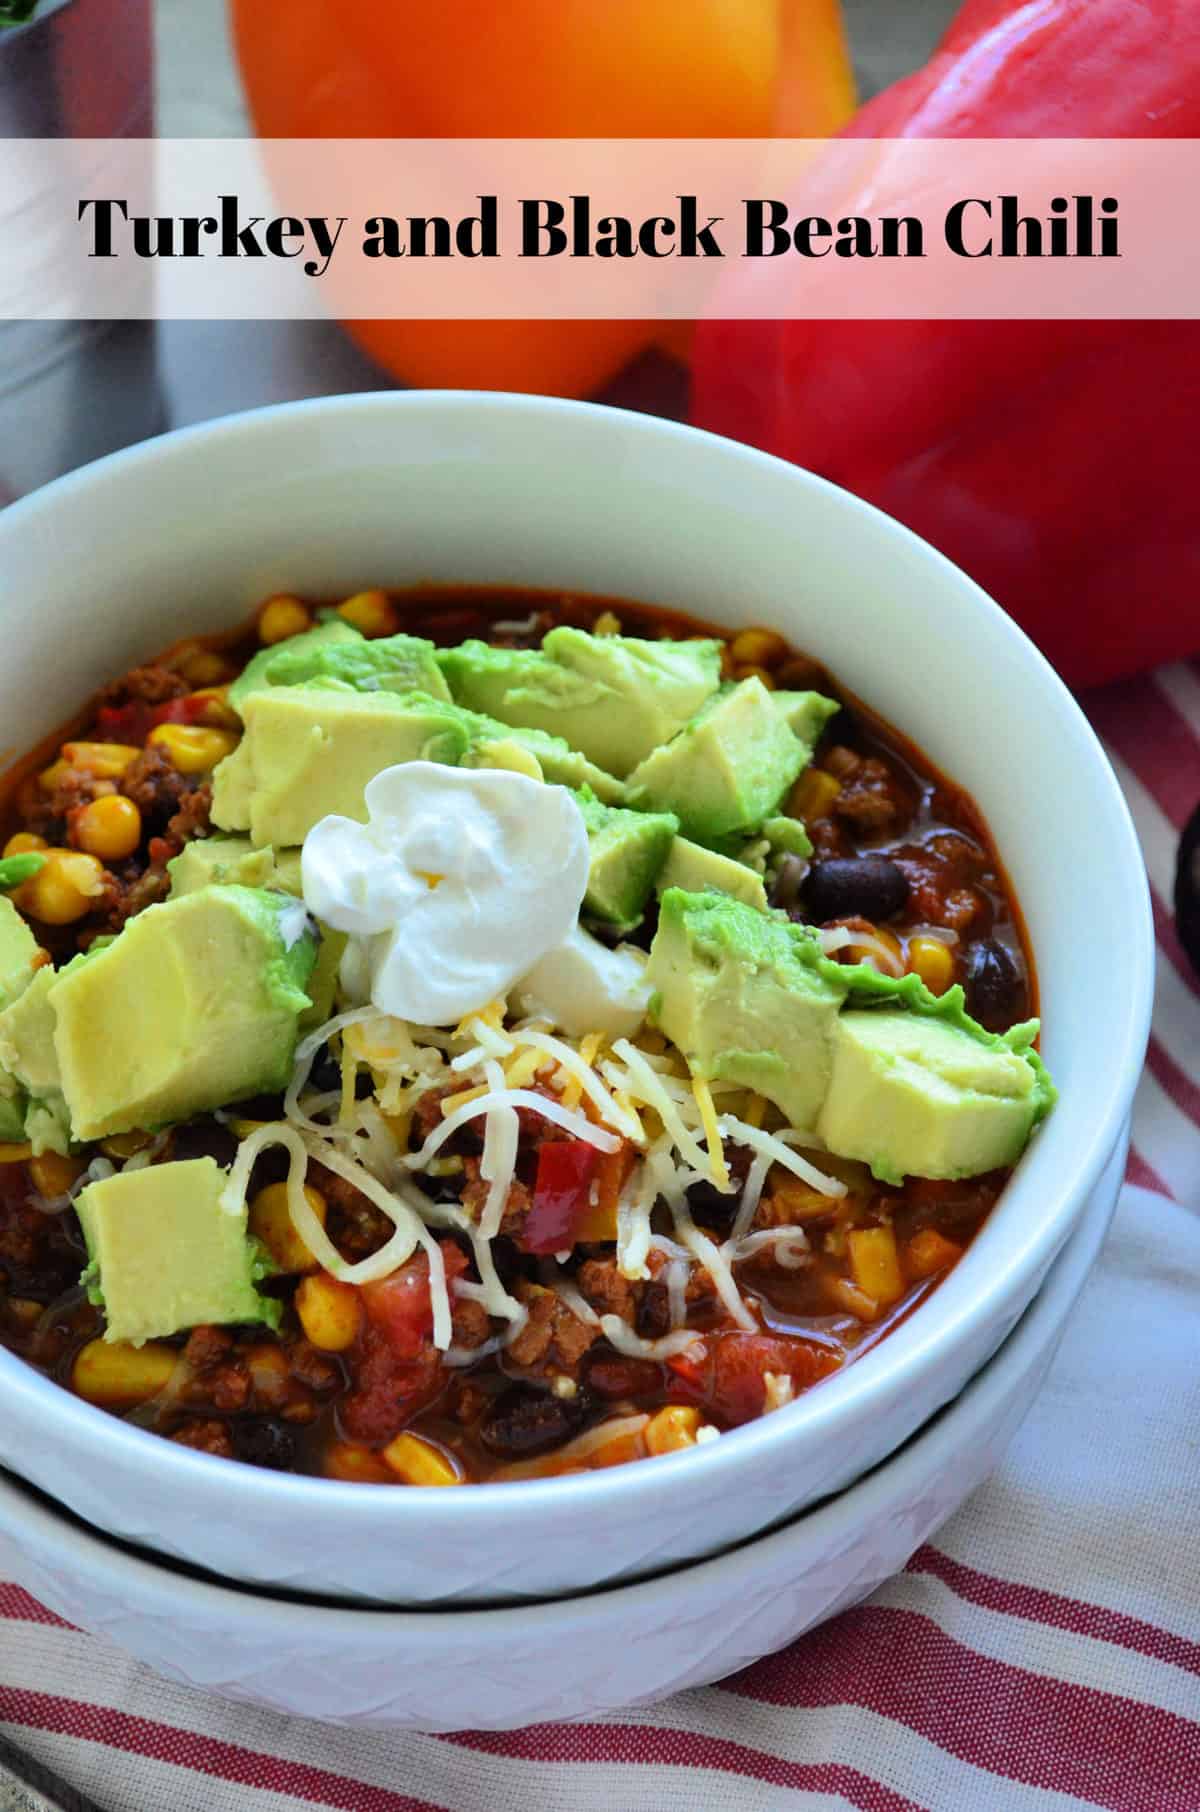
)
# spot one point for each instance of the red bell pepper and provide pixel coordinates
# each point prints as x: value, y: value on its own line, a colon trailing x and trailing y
x: 133, y: 722
x: 1054, y: 461
x: 561, y: 1195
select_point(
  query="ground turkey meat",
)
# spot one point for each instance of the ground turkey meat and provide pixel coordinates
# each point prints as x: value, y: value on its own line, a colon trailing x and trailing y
x: 145, y: 686
x: 553, y: 1339
x: 156, y: 788
x: 872, y: 797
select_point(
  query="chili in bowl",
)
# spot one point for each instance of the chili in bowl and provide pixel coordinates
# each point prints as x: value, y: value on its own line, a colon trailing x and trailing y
x: 482, y: 1031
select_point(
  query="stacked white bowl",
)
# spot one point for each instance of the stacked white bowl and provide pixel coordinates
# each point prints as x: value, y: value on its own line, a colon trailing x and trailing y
x: 185, y: 535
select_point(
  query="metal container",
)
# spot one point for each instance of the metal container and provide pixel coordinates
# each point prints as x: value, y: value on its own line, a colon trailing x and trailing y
x: 73, y: 390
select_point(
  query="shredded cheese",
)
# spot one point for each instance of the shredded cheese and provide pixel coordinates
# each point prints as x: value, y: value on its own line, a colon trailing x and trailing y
x: 515, y: 1097
x: 578, y: 1066
x: 708, y: 1119
x: 643, y: 1083
x: 498, y: 1165
x: 781, y: 1153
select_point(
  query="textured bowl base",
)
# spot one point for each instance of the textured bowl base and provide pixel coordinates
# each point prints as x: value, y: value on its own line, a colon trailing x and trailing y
x: 580, y: 1657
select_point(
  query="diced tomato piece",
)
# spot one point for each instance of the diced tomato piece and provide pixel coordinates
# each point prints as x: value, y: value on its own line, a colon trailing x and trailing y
x: 561, y: 1195
x: 400, y: 1307
x: 387, y: 1390
x: 187, y: 710
x: 129, y: 723
x: 740, y: 1360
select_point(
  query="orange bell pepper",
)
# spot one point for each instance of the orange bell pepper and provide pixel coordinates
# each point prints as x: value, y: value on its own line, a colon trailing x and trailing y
x: 538, y: 69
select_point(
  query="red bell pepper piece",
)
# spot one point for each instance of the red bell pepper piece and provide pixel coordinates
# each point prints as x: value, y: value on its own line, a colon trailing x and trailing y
x: 1052, y: 460
x: 561, y: 1195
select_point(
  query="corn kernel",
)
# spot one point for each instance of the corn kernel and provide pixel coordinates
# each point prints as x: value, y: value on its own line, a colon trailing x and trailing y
x: 330, y: 1312
x: 813, y: 795
x: 66, y: 887
x: 117, y: 1375
x: 18, y: 1153
x: 24, y: 843
x: 110, y: 828
x: 607, y: 623
x: 204, y: 667
x: 216, y: 710
x: 271, y: 1222
x: 671, y: 1429
x: 758, y: 648
x: 371, y: 612
x: 929, y: 1252
x: 282, y: 617
x: 418, y: 1462
x: 103, y: 760
x: 190, y: 749
x: 125, y: 1144
x: 875, y: 1263
x: 357, y: 1465
x: 933, y: 961
x: 52, y: 1174
x: 758, y: 673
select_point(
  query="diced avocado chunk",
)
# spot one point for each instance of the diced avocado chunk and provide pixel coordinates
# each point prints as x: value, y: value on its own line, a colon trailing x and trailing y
x: 221, y: 861
x: 915, y: 1096
x: 736, y: 995
x: 697, y: 870
x: 167, y: 1254
x: 195, y: 1004
x: 234, y: 861
x: 515, y: 746
x: 805, y: 714
x: 883, y: 1071
x: 626, y: 852
x: 726, y: 771
x: 310, y: 750
x: 614, y: 698
x: 19, y: 953
x: 334, y: 650
x: 31, y: 1082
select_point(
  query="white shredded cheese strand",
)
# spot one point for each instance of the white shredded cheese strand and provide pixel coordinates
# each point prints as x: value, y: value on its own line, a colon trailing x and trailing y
x: 703, y: 1249
x: 574, y: 1299
x: 633, y: 1226
x: 781, y: 1153
x: 620, y: 1335
x: 649, y: 1087
x: 459, y: 1356
x: 587, y: 1079
x: 751, y: 1196
x: 512, y: 1097
x: 498, y: 1165
x: 790, y: 1243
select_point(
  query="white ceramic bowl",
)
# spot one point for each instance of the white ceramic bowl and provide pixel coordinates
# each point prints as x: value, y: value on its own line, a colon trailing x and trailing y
x: 187, y: 533
x: 580, y: 1657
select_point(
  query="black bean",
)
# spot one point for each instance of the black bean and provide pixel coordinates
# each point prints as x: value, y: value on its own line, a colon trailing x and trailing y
x: 995, y: 985
x: 1187, y: 890
x: 653, y: 1312
x: 849, y: 887
x: 526, y: 1420
x: 710, y: 1208
x: 204, y: 1139
x: 265, y: 1441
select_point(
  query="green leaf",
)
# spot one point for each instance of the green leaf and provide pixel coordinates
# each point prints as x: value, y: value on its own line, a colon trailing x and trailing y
x: 15, y: 12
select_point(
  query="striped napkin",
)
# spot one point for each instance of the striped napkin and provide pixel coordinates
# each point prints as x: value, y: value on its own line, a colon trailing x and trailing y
x: 1044, y: 1656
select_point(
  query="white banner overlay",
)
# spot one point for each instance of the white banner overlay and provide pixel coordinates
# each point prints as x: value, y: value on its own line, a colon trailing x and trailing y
x: 549, y: 229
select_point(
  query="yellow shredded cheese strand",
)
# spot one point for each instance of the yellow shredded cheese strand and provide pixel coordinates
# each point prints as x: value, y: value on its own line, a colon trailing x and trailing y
x: 708, y: 1118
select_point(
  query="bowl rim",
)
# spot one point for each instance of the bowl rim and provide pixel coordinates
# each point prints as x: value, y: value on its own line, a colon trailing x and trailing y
x: 96, y: 1435
x: 928, y: 1450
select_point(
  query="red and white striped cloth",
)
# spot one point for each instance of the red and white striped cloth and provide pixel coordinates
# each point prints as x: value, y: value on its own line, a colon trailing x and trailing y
x: 1043, y: 1656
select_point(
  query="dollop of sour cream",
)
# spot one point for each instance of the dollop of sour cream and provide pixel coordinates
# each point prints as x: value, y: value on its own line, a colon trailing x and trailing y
x: 460, y: 880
